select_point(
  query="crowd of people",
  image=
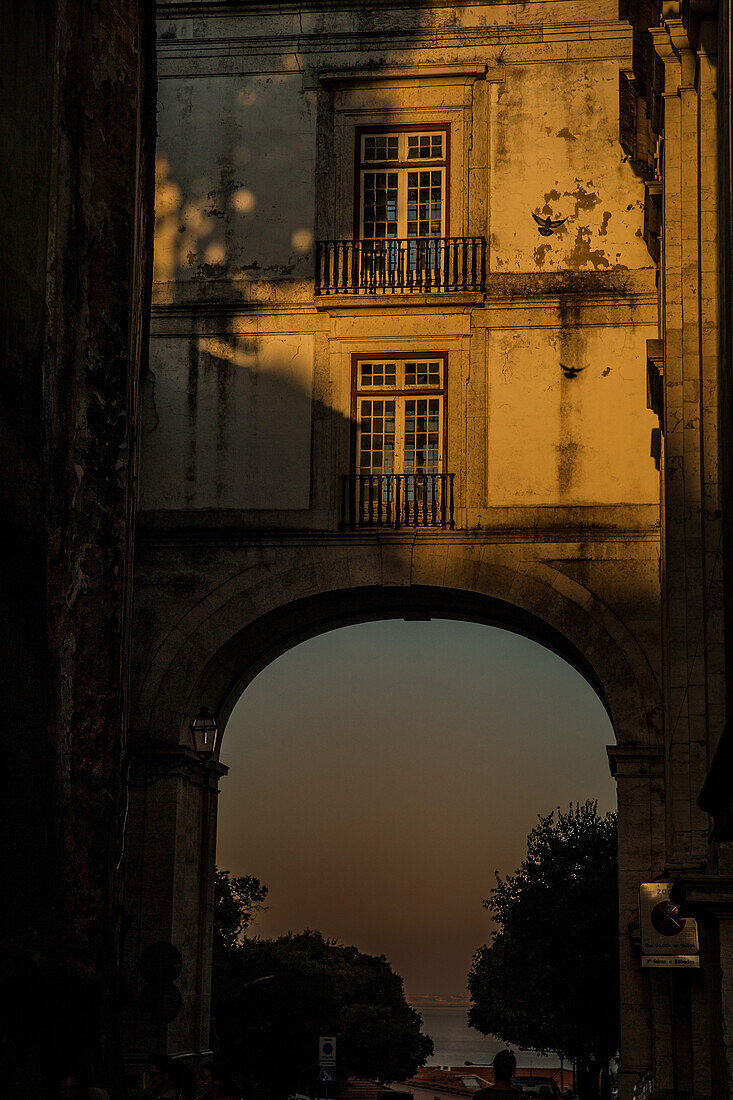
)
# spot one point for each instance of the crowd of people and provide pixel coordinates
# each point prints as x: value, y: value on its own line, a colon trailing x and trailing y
x: 166, y: 1078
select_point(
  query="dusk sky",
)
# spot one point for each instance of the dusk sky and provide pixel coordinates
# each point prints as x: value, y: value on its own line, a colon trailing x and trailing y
x: 380, y: 773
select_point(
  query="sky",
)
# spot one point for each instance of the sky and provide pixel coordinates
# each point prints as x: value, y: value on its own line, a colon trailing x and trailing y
x: 381, y: 773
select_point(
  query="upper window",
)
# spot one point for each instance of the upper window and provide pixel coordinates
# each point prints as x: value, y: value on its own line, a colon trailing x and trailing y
x: 402, y: 184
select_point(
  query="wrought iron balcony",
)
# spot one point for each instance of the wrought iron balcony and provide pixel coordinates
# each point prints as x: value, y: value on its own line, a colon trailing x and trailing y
x: 397, y: 500
x: 411, y: 266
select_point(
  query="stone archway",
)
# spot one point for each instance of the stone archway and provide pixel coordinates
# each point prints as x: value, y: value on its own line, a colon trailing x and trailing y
x: 222, y: 639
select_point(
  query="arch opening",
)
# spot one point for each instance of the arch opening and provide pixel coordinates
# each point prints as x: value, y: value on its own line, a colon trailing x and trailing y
x: 380, y: 773
x: 246, y: 654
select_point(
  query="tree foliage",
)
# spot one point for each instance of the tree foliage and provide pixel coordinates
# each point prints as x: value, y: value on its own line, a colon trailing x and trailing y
x: 549, y: 980
x: 273, y: 998
x: 236, y: 902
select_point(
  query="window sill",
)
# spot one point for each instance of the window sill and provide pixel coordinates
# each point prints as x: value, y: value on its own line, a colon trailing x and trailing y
x: 390, y: 300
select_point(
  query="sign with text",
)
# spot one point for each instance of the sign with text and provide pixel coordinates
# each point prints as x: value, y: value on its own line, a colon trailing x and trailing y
x: 664, y: 931
x: 670, y: 961
x: 327, y: 1050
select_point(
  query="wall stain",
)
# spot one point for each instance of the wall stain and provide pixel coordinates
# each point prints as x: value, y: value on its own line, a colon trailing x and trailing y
x: 584, y: 199
x: 551, y: 196
x: 192, y: 390
x: 568, y: 453
x: 223, y: 372
x: 539, y: 253
x: 604, y: 224
x: 572, y: 358
x: 582, y: 253
x: 565, y: 133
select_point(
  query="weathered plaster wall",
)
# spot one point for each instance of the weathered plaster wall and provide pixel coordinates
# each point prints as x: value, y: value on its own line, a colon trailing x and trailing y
x: 248, y: 400
x: 555, y: 150
x: 234, y: 430
x: 233, y: 201
x: 256, y: 156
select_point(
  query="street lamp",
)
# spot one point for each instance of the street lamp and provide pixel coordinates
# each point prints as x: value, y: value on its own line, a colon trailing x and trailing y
x: 144, y: 769
x: 204, y: 731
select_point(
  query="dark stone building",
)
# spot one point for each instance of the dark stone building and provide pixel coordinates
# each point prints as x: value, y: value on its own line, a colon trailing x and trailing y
x: 77, y: 126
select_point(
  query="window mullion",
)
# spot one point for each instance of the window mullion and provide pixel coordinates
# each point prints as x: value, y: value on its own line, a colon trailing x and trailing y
x: 399, y: 439
x: 402, y: 204
x: 362, y: 176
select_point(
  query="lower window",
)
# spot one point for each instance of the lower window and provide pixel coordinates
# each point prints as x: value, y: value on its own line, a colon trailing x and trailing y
x: 398, y: 475
x: 400, y: 415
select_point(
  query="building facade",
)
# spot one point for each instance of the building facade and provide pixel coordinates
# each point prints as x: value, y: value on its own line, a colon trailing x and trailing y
x: 436, y: 332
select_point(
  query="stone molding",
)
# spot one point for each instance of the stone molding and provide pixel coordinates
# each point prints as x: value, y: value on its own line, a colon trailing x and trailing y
x: 197, y: 9
x: 635, y: 761
x: 460, y: 72
x: 288, y: 55
x: 197, y: 658
x: 559, y: 526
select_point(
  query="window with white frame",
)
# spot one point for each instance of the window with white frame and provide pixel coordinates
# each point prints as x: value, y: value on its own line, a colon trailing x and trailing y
x: 402, y: 184
x: 400, y: 413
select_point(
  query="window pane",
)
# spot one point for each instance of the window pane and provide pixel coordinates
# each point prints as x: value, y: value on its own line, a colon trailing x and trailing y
x: 377, y: 374
x: 422, y: 436
x: 377, y: 436
x: 381, y: 147
x: 422, y: 374
x: 380, y: 204
x: 424, y: 204
x: 424, y: 146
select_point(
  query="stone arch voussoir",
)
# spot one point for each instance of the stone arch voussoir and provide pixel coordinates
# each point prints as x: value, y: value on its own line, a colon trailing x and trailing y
x: 211, y: 653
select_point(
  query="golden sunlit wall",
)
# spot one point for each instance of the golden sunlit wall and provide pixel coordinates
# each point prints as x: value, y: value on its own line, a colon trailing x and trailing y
x: 250, y: 407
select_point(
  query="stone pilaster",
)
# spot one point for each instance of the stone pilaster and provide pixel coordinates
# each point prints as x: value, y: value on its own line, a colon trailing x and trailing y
x: 170, y: 897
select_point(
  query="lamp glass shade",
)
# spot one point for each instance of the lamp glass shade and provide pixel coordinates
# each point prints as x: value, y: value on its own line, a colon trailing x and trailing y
x: 204, y: 730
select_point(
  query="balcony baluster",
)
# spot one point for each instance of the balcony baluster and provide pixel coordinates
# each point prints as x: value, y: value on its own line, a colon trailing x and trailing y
x: 423, y: 265
x: 397, y: 500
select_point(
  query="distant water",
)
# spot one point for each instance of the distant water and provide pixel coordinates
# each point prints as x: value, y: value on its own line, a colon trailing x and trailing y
x: 456, y: 1043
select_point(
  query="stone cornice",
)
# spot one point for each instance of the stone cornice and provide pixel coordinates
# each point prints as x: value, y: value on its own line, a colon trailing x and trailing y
x: 550, y: 525
x: 181, y: 9
x: 460, y: 72
x: 635, y: 761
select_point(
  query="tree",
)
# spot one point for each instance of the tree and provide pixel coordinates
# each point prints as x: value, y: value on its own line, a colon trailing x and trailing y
x: 236, y: 901
x: 549, y: 980
x: 273, y: 998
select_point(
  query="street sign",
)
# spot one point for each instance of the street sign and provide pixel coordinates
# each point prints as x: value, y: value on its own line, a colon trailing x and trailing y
x: 327, y: 1050
x: 327, y: 1075
x: 665, y: 933
x: 671, y: 961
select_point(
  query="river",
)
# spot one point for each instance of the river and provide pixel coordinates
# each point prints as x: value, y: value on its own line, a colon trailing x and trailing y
x: 456, y: 1043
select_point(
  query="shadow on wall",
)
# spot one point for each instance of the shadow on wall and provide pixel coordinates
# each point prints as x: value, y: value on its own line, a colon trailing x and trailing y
x: 225, y: 223
x: 231, y: 427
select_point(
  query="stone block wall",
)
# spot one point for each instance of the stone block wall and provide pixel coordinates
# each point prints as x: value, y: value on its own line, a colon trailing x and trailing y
x: 78, y: 135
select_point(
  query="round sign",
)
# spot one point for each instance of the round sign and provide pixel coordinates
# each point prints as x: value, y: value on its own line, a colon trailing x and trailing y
x: 327, y: 1048
x: 666, y: 919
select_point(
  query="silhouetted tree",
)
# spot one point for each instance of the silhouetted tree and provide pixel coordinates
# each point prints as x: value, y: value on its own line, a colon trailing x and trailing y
x: 549, y: 980
x: 236, y: 902
x: 273, y: 998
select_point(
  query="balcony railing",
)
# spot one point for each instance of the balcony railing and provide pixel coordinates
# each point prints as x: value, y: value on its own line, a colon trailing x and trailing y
x: 397, y: 500
x: 411, y: 266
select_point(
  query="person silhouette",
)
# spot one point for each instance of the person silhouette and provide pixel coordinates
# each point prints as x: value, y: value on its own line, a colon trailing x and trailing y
x: 504, y: 1064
